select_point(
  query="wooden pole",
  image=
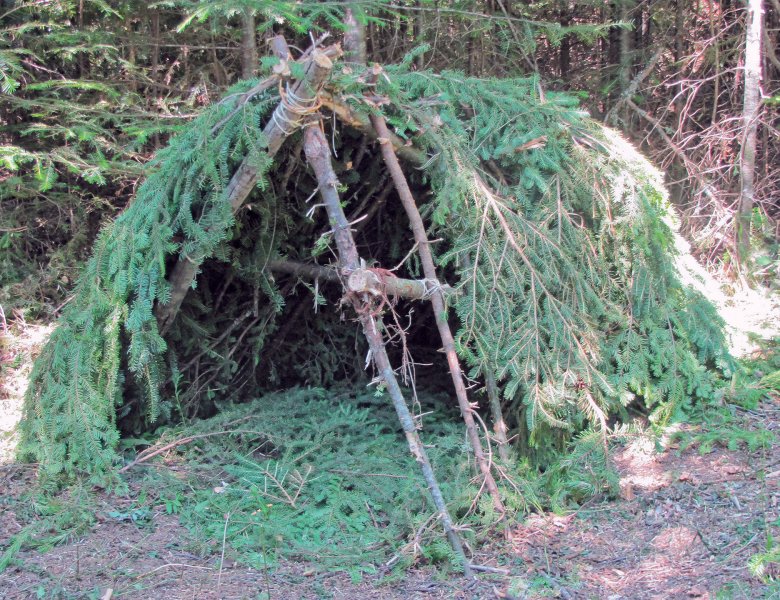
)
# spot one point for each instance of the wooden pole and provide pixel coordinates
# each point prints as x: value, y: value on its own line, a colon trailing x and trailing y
x: 373, y: 281
x: 347, y: 115
x: 317, y: 67
x: 356, y: 120
x: 437, y: 300
x: 318, y: 155
x: 499, y: 425
x: 494, y: 398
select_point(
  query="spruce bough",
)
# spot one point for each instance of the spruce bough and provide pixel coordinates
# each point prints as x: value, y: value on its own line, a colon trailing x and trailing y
x: 556, y: 227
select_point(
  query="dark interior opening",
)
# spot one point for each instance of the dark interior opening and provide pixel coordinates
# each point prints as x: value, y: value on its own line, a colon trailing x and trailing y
x: 244, y: 330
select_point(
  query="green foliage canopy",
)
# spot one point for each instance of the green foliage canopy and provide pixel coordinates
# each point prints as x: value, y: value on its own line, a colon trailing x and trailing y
x: 558, y: 230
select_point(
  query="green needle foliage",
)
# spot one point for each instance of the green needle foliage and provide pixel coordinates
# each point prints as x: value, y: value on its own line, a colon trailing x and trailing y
x: 558, y: 231
x: 301, y: 17
x: 324, y: 476
x: 76, y: 384
x: 562, y: 236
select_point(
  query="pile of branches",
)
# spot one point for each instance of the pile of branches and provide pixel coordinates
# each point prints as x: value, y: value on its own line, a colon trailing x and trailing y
x: 541, y: 240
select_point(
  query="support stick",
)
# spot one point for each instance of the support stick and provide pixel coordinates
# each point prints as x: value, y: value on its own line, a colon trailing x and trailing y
x: 372, y: 281
x: 318, y: 154
x: 499, y: 425
x: 494, y: 398
x: 437, y: 300
x: 317, y: 67
x: 356, y: 120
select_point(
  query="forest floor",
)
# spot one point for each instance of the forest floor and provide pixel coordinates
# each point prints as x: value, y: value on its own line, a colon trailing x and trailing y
x: 685, y: 527
x: 691, y: 516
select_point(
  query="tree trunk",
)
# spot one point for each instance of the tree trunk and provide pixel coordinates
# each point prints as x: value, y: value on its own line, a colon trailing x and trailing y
x: 750, y: 109
x: 626, y: 55
x: 155, y: 51
x: 249, y: 62
x: 679, y: 51
x: 354, y: 39
x: 418, y: 33
x: 564, y: 56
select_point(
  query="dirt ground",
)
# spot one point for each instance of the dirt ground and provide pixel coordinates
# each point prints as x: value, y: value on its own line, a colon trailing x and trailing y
x: 685, y: 528
x: 19, y: 345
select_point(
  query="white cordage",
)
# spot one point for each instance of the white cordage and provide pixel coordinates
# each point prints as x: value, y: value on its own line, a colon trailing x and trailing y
x: 432, y: 287
x: 292, y: 104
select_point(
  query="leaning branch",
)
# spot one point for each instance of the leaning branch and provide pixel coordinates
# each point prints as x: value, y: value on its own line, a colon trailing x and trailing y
x: 356, y: 120
x: 632, y: 89
x: 150, y: 453
x: 437, y: 300
x: 318, y: 155
x: 285, y: 119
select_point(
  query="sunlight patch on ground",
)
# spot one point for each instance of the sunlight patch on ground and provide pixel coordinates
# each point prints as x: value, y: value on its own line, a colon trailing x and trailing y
x: 667, y: 565
x: 674, y: 540
x: 746, y: 311
x: 19, y: 346
x: 538, y: 530
x: 639, y: 466
x: 643, y: 468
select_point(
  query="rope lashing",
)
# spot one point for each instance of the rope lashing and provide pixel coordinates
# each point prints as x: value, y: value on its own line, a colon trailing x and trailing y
x: 432, y: 286
x: 289, y: 115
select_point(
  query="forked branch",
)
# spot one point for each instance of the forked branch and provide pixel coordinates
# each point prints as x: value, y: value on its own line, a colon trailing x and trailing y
x: 300, y: 98
x: 437, y: 300
x: 318, y: 154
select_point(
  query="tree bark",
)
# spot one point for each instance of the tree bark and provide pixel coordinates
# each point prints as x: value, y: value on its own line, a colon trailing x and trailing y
x: 679, y: 51
x: 499, y: 425
x: 437, y: 300
x: 564, y: 53
x: 625, y: 51
x: 354, y: 39
x: 360, y: 122
x: 317, y: 67
x: 155, y: 50
x: 249, y: 62
x: 633, y: 87
x: 318, y: 155
x: 361, y: 280
x: 750, y: 109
